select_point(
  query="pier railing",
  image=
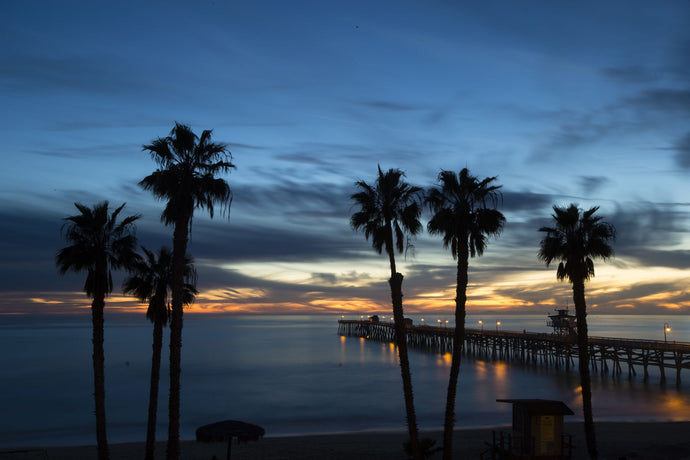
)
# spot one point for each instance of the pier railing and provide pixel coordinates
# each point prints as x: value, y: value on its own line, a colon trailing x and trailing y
x: 607, y: 354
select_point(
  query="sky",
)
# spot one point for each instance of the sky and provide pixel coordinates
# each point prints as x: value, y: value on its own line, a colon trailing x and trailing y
x: 582, y: 102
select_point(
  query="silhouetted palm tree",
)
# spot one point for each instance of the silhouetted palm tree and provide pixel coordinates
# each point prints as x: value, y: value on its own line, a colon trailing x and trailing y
x: 98, y: 245
x: 388, y: 210
x: 186, y: 179
x: 464, y: 213
x: 576, y: 238
x: 151, y: 281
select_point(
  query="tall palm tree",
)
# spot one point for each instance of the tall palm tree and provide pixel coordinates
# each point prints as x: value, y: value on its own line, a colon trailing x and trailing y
x: 98, y: 245
x: 576, y: 238
x: 151, y: 281
x: 389, y: 210
x: 464, y: 213
x: 186, y: 179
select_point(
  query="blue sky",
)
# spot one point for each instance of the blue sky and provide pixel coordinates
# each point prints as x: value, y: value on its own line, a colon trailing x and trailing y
x: 584, y: 102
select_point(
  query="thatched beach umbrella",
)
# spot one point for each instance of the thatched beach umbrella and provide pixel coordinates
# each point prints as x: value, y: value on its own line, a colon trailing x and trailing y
x: 228, y: 429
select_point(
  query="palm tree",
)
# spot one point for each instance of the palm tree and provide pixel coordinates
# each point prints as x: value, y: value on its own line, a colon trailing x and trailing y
x: 98, y: 245
x: 389, y: 210
x: 150, y: 281
x: 464, y: 213
x: 577, y: 238
x: 186, y: 179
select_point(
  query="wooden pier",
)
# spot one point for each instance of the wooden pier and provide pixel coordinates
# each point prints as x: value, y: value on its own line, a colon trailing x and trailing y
x: 606, y: 354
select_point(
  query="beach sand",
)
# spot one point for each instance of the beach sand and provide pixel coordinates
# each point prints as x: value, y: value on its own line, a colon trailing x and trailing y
x: 653, y: 440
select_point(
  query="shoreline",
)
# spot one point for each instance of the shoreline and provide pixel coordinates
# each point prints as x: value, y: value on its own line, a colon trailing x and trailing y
x: 648, y: 440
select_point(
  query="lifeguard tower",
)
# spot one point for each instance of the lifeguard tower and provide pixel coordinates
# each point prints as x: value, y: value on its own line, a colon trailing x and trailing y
x: 563, y: 323
x: 537, y: 431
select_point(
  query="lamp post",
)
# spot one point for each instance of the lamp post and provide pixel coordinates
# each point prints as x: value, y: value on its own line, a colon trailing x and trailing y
x: 422, y: 321
x: 498, y: 323
x: 439, y: 322
x: 667, y: 328
x: 446, y: 323
x: 481, y: 324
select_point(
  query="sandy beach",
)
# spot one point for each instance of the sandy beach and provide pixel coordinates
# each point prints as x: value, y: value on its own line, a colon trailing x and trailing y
x: 663, y: 440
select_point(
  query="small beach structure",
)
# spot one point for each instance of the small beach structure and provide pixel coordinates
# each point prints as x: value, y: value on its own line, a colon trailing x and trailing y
x: 228, y: 429
x: 537, y: 431
x: 563, y: 323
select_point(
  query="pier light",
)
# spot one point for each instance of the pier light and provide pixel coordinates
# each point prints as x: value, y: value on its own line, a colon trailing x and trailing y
x: 446, y: 323
x: 422, y: 320
x: 481, y: 324
x: 667, y: 328
x: 342, y: 316
x: 498, y: 323
x: 439, y: 322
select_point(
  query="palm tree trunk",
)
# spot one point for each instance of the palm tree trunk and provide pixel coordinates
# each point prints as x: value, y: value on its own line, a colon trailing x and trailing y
x: 583, y: 363
x: 180, y: 238
x: 458, y: 340
x: 401, y: 342
x: 395, y: 282
x: 97, y: 307
x: 153, y: 391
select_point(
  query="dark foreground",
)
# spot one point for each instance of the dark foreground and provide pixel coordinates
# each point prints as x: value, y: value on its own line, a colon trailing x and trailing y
x: 644, y: 440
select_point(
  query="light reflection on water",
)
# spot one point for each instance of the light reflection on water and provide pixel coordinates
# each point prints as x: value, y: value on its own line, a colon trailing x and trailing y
x: 290, y: 374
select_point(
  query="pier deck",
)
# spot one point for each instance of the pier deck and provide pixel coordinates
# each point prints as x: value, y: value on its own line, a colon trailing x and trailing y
x: 607, y: 354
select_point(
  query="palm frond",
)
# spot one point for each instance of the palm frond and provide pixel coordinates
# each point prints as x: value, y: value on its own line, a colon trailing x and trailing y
x: 576, y: 238
x: 389, y: 211
x: 98, y: 244
x: 463, y: 211
x: 187, y: 178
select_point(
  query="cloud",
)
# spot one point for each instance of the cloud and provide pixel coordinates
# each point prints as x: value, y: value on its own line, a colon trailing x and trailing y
x: 591, y: 184
x: 648, y: 110
x: 630, y: 74
x: 524, y: 201
x: 648, y: 225
x: 232, y: 145
x: 390, y: 106
x: 665, y: 100
x: 682, y: 148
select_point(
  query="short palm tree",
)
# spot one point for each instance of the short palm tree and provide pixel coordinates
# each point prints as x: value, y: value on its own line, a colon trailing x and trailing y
x: 98, y: 245
x: 151, y: 281
x: 464, y: 213
x: 387, y: 212
x: 576, y: 238
x: 186, y: 179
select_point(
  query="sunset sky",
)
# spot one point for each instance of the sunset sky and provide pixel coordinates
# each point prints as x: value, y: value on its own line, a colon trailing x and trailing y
x: 582, y: 102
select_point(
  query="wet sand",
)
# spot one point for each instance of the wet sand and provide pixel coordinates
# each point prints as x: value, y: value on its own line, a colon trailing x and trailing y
x: 616, y: 440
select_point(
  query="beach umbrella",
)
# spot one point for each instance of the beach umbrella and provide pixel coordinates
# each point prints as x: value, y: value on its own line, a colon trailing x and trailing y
x: 228, y: 429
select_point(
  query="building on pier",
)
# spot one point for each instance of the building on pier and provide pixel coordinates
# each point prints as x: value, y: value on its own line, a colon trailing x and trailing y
x: 563, y: 324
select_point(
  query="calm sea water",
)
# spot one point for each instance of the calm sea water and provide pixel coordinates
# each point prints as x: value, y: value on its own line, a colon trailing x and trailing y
x: 290, y: 374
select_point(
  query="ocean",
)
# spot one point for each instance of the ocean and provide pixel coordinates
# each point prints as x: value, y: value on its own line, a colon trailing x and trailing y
x: 292, y: 375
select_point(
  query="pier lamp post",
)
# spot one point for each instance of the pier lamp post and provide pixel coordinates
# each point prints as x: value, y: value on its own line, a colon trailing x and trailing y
x: 667, y: 328
x: 446, y: 323
x: 439, y: 322
x: 498, y: 323
x: 422, y: 321
x: 481, y: 324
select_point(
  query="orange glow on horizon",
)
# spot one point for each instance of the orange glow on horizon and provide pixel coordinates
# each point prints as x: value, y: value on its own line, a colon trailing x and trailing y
x: 45, y: 301
x: 612, y: 290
